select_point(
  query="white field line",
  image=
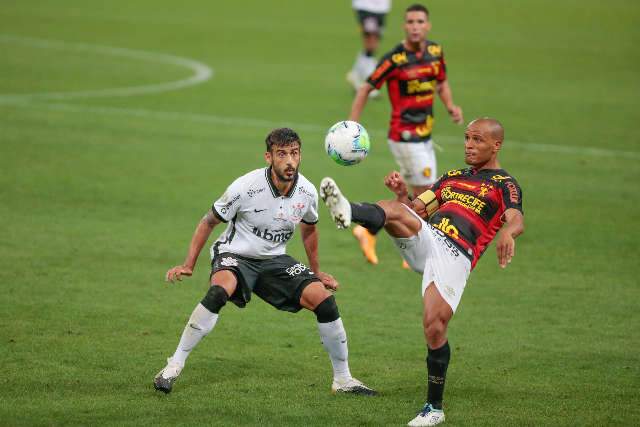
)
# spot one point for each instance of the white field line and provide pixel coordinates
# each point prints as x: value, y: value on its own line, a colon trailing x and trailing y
x: 307, y: 127
x: 200, y: 71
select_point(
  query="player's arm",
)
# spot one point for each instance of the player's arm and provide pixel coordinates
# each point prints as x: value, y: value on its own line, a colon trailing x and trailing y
x: 198, y: 240
x: 513, y: 226
x: 444, y: 92
x: 360, y: 100
x: 426, y: 204
x: 309, y: 233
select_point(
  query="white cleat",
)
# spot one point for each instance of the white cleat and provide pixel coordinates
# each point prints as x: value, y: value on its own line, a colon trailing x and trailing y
x: 428, y: 416
x: 164, y: 380
x: 338, y: 205
x: 352, y: 386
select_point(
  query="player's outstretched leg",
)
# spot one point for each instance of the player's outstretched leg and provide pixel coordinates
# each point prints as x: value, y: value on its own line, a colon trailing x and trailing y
x: 338, y: 205
x: 334, y: 339
x: 393, y: 216
x: 202, y: 321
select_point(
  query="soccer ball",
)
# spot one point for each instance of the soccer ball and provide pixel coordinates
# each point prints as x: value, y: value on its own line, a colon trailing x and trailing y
x: 347, y: 143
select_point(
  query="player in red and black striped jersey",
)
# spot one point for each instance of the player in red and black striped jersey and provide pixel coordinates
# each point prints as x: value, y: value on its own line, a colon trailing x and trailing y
x: 442, y: 234
x: 471, y: 206
x: 414, y: 71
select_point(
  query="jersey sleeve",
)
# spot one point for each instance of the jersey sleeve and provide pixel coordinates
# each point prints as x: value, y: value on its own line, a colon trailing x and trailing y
x: 311, y: 215
x: 226, y: 207
x: 511, y: 195
x: 383, y: 71
x: 441, y: 75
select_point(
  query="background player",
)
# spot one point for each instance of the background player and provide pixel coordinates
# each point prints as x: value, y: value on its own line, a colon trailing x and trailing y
x: 414, y: 71
x: 262, y: 209
x: 464, y: 210
x: 371, y: 15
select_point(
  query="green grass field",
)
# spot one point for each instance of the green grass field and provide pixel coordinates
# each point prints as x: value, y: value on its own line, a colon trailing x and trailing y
x: 100, y: 190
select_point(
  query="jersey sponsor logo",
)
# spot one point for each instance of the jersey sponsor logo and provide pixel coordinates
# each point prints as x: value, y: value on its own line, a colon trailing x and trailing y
x: 416, y: 86
x: 400, y: 58
x: 305, y: 191
x: 253, y: 191
x: 499, y: 178
x: 434, y: 50
x: 448, y: 244
x: 276, y: 236
x: 381, y: 70
x: 229, y: 262
x: 467, y: 200
x: 225, y: 208
x: 422, y: 98
x: 296, y: 269
x: 513, y: 192
x: 425, y: 129
x: 454, y: 173
x: 426, y: 172
x: 447, y: 228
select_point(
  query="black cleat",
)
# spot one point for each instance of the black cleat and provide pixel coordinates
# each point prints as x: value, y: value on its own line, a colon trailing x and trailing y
x: 166, y: 377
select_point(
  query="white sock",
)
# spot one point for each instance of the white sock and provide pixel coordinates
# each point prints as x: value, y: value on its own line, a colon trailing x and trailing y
x: 334, y: 340
x: 199, y: 325
x: 369, y: 65
x: 360, y: 66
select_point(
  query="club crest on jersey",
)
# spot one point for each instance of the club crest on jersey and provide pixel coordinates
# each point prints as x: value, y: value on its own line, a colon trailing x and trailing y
x: 297, y: 210
x: 484, y: 189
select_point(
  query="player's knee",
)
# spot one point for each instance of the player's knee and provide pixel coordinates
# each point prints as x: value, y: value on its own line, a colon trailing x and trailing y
x: 215, y: 298
x: 434, y: 328
x: 327, y: 310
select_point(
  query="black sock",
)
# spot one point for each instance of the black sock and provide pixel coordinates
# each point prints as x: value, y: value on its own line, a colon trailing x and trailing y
x: 368, y: 215
x: 437, y: 363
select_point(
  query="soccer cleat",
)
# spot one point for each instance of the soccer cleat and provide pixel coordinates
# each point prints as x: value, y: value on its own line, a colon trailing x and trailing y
x: 338, y: 205
x: 428, y: 416
x: 351, y: 386
x: 167, y: 376
x: 367, y: 243
x: 406, y: 265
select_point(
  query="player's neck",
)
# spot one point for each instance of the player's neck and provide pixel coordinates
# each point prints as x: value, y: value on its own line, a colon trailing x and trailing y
x: 491, y: 164
x: 282, y: 186
x: 415, y: 47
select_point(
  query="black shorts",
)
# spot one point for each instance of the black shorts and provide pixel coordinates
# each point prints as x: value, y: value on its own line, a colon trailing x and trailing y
x: 279, y: 280
x: 370, y: 23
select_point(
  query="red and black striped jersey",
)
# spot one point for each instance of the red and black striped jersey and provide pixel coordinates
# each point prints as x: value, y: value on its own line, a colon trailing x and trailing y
x: 411, y: 81
x: 472, y: 202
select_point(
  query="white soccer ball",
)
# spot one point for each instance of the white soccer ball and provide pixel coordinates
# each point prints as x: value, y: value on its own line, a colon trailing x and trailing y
x: 347, y: 143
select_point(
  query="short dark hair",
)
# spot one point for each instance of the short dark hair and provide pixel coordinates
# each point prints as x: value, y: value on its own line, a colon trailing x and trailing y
x: 417, y: 7
x: 282, y: 136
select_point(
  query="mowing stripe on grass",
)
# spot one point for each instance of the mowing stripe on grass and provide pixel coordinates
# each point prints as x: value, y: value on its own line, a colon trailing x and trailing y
x: 268, y: 124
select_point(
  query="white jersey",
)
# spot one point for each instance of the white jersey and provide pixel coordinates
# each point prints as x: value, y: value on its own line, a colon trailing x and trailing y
x: 260, y: 219
x: 373, y: 6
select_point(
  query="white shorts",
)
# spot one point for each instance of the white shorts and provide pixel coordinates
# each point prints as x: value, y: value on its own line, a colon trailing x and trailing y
x: 439, y: 261
x: 417, y: 161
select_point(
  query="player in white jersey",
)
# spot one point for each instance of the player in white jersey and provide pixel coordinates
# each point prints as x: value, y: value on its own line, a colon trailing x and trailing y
x: 371, y: 15
x: 262, y: 210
